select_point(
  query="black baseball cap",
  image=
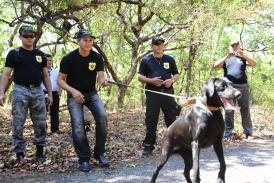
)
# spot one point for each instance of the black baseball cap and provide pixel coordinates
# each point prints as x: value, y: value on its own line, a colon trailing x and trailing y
x: 26, y: 28
x: 82, y: 33
x: 157, y: 40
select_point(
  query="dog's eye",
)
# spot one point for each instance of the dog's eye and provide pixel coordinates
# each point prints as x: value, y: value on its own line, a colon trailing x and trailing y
x: 222, y: 87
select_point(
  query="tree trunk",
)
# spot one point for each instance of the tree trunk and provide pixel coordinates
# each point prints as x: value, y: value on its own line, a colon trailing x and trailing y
x: 192, y: 53
x: 121, y: 97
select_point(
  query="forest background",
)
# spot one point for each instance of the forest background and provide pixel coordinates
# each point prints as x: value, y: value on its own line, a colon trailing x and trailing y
x: 197, y: 33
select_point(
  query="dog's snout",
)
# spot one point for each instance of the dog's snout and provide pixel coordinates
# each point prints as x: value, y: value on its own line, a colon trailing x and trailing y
x: 237, y: 94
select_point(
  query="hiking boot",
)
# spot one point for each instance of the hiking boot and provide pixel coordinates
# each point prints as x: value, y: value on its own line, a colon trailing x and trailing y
x: 84, y: 166
x: 39, y: 154
x: 102, y: 160
x: 249, y: 137
x: 147, y: 150
x: 20, y: 157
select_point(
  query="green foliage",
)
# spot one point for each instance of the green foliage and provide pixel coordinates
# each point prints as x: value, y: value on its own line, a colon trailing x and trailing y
x: 207, y: 24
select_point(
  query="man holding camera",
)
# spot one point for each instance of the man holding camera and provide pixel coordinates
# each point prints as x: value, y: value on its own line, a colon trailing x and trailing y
x: 234, y: 66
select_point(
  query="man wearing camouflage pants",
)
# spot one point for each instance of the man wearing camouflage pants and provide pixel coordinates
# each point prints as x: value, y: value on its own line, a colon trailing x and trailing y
x: 27, y: 64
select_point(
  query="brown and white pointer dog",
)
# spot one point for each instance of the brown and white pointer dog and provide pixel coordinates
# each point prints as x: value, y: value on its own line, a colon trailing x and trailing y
x: 201, y: 127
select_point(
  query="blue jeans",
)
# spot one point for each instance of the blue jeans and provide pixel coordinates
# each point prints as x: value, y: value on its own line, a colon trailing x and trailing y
x: 26, y: 99
x: 80, y: 141
x: 243, y: 103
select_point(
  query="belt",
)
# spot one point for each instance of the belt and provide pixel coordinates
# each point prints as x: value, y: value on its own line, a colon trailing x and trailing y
x: 28, y: 85
x: 45, y: 91
x: 166, y: 90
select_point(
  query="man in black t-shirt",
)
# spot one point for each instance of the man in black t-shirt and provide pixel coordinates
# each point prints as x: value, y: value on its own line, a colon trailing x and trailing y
x: 158, y: 71
x: 234, y: 66
x: 29, y: 68
x: 78, y: 72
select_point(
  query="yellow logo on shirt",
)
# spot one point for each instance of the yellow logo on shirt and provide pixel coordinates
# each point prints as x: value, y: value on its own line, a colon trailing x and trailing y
x: 38, y: 58
x: 166, y: 65
x: 91, y: 66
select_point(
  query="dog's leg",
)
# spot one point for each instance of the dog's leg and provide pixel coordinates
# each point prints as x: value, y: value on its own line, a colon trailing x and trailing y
x: 195, y: 157
x: 218, y: 147
x: 187, y: 156
x: 165, y: 154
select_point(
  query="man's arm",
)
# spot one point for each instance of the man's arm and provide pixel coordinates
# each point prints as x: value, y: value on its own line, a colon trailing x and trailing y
x: 175, y: 78
x: 169, y: 82
x: 77, y: 95
x: 220, y: 63
x: 4, y: 84
x: 144, y: 79
x: 103, y: 80
x: 250, y: 61
x: 157, y: 81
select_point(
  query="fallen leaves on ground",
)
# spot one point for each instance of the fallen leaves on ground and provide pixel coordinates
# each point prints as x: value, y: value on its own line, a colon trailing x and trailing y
x: 125, y: 134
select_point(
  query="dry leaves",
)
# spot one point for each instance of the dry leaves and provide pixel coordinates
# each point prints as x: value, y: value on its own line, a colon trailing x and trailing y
x: 125, y: 135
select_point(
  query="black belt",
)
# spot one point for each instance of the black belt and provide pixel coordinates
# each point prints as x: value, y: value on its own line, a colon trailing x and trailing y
x: 45, y: 91
x: 28, y: 85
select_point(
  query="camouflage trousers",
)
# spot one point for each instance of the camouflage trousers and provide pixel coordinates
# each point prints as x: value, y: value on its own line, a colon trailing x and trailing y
x: 26, y: 99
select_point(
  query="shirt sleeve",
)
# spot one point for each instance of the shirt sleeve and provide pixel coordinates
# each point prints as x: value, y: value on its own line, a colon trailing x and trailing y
x: 44, y: 60
x: 174, y: 67
x: 10, y: 59
x: 142, y: 67
x: 101, y: 64
x: 64, y: 67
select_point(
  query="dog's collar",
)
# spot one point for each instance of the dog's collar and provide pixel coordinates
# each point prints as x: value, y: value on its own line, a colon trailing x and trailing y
x: 210, y: 108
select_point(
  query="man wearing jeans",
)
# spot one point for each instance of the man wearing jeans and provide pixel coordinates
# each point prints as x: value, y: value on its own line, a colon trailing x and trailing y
x: 78, y: 72
x: 234, y: 66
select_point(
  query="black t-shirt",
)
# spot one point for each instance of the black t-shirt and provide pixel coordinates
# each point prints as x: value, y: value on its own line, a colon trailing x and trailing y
x: 235, y: 70
x: 152, y: 67
x: 27, y: 65
x: 82, y: 71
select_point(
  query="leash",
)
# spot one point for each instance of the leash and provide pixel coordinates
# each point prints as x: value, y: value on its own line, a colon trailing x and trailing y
x: 152, y: 91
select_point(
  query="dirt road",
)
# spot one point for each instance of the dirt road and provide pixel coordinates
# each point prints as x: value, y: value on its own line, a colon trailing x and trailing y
x: 247, y: 162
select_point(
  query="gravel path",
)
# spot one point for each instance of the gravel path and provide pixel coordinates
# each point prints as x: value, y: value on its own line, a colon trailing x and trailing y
x: 247, y: 162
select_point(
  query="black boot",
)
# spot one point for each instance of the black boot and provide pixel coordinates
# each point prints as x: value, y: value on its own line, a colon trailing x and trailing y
x: 39, y: 154
x: 19, y: 158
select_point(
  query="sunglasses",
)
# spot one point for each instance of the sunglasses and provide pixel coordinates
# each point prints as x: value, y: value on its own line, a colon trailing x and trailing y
x: 28, y: 36
x: 158, y: 43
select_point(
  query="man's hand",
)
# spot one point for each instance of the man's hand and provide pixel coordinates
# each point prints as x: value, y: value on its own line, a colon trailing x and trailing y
x: 157, y: 81
x: 239, y: 53
x: 49, y: 100
x: 168, y: 83
x: 78, y: 97
x: 230, y: 51
x: 107, y: 82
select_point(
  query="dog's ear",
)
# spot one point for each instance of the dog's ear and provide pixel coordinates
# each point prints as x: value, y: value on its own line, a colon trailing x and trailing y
x: 209, y: 87
x: 226, y: 80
